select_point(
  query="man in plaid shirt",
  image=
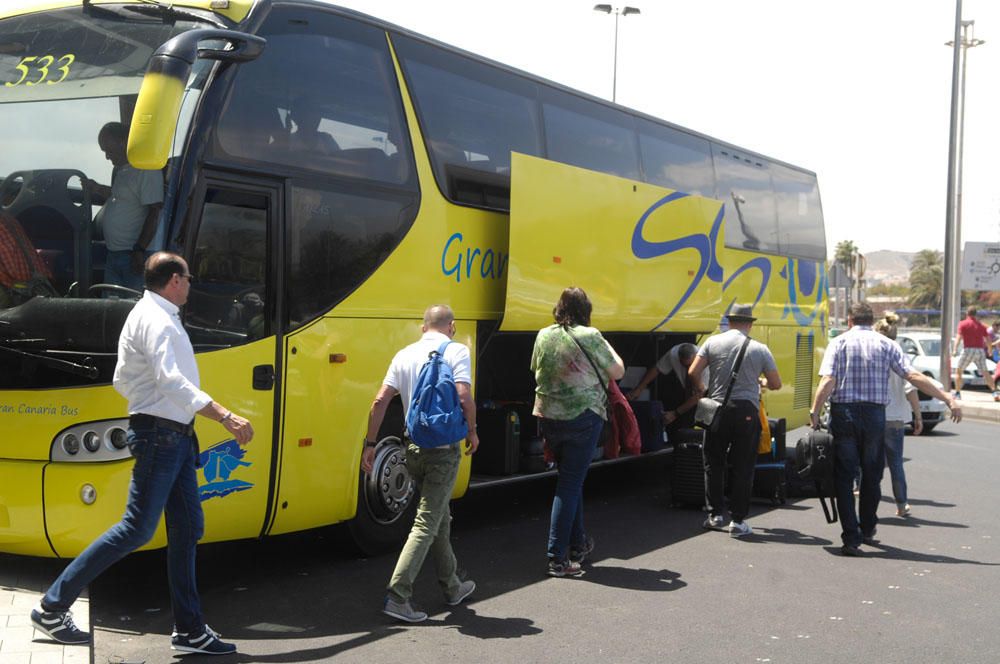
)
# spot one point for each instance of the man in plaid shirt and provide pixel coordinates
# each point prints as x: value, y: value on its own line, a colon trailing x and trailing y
x: 854, y: 375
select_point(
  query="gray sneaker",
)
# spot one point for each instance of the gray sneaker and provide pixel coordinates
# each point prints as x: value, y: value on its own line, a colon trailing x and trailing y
x: 403, y: 611
x: 714, y: 522
x: 740, y: 529
x: 464, y: 590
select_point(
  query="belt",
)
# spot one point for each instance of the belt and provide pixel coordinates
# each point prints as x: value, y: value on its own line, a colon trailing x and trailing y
x: 140, y: 421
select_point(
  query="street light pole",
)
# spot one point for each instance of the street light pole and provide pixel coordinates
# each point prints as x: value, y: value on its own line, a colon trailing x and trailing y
x: 617, y: 11
x: 947, y: 303
x: 968, y: 41
x: 951, y: 295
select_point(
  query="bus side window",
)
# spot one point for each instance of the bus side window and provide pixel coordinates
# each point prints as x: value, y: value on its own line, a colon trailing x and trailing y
x: 227, y: 305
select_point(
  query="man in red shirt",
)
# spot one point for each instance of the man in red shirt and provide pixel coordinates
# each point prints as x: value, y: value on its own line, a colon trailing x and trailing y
x: 975, y: 340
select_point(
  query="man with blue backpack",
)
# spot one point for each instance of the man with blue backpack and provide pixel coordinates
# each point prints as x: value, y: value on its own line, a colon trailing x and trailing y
x: 434, y: 380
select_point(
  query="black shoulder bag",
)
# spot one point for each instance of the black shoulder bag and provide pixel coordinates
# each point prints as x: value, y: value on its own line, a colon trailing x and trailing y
x: 708, y: 412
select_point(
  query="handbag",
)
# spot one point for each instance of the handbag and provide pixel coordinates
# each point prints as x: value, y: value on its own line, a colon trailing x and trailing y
x: 708, y: 412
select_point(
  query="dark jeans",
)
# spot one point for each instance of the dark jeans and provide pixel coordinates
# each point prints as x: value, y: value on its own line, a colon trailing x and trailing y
x: 734, y: 444
x: 163, y: 479
x: 572, y: 443
x: 858, y: 433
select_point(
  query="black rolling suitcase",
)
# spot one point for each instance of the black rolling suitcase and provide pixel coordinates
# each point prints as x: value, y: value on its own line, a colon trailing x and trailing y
x: 687, y: 479
x: 499, y: 442
x: 769, y: 471
x: 649, y: 416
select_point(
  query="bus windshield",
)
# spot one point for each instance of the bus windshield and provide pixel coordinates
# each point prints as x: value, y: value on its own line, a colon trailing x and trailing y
x: 65, y: 74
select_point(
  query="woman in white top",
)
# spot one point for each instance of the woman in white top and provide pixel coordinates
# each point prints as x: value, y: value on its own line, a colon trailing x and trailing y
x: 902, y: 402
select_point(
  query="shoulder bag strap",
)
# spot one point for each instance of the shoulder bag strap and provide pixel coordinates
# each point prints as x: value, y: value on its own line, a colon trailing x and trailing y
x: 600, y: 379
x: 736, y: 370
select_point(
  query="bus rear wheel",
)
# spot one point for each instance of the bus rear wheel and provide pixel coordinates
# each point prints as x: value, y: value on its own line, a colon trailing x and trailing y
x: 387, y: 501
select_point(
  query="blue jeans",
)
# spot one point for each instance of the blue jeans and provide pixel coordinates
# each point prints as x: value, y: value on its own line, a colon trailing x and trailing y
x: 858, y: 433
x: 163, y: 478
x: 118, y: 270
x: 572, y: 443
x: 894, y: 459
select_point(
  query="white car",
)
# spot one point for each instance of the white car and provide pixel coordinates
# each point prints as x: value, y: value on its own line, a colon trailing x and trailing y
x: 924, y: 349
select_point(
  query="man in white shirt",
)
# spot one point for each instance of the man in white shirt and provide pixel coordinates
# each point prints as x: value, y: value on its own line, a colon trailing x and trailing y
x: 158, y: 375
x: 130, y: 217
x: 434, y: 469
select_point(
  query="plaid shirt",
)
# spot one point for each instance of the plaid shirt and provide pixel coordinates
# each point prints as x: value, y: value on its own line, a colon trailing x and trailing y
x: 19, y: 261
x: 860, y: 361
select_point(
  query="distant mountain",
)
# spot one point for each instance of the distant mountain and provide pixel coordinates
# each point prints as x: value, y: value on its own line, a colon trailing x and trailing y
x: 887, y: 266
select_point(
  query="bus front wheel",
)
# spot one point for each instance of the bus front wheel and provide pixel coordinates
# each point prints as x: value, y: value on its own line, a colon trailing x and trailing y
x: 387, y: 501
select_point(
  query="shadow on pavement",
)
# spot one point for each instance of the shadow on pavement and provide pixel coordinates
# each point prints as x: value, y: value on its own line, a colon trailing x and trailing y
x: 886, y: 552
x: 306, y: 591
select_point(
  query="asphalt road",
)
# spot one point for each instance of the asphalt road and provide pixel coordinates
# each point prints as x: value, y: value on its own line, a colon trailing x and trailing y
x: 660, y: 588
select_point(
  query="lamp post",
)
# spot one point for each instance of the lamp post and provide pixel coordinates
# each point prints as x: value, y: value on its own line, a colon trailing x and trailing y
x: 617, y: 11
x: 951, y: 291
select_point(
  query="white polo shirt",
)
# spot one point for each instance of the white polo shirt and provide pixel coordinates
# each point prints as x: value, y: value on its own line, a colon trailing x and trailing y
x: 406, y: 365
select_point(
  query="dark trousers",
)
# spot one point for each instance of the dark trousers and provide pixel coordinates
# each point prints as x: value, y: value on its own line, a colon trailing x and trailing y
x: 733, y: 445
x: 859, y: 442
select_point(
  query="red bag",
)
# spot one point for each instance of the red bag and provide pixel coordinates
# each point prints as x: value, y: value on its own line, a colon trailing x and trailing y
x: 624, y: 438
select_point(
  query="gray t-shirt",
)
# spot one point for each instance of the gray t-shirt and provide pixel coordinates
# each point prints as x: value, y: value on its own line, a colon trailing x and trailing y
x: 720, y: 351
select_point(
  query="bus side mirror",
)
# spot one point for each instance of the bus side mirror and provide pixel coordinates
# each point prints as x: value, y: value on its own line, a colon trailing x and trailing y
x: 158, y: 106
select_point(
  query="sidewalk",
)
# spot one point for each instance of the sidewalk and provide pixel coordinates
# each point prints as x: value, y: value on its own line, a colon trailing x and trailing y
x: 22, y: 583
x: 979, y: 405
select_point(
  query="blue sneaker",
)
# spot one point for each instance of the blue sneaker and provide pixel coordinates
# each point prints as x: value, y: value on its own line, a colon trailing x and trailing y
x: 58, y: 626
x: 206, y: 642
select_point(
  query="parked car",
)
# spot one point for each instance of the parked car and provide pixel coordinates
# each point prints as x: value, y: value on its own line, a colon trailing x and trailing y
x: 924, y: 349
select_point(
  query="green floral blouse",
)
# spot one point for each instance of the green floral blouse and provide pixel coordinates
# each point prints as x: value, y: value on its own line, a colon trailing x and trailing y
x: 567, y: 382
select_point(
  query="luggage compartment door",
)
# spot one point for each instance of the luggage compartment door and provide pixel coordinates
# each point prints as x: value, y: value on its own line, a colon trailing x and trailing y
x: 640, y: 251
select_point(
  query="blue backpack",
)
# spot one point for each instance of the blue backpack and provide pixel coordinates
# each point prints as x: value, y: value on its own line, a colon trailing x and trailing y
x: 435, y: 417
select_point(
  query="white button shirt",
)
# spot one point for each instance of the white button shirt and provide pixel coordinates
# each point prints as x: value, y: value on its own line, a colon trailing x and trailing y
x: 156, y: 370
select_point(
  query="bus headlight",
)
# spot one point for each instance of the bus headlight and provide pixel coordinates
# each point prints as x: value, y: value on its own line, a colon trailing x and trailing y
x: 71, y: 444
x: 118, y: 438
x: 104, y: 440
x: 91, y: 441
x: 88, y: 494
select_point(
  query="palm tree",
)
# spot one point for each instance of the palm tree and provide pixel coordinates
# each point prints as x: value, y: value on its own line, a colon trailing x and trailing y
x: 926, y: 277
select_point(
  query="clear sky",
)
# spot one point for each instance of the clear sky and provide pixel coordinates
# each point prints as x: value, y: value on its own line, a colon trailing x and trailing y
x: 858, y: 91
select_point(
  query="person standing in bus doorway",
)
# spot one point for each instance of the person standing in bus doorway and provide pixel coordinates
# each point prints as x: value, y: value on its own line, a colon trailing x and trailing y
x: 734, y: 443
x: 854, y: 376
x: 131, y: 212
x: 158, y: 375
x: 573, y: 363
x: 434, y: 469
x: 975, y: 340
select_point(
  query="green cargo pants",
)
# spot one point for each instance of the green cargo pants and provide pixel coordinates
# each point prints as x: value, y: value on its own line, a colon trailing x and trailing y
x: 434, y: 470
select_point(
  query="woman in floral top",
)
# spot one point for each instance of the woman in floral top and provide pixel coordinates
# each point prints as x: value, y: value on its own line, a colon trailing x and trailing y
x: 571, y: 403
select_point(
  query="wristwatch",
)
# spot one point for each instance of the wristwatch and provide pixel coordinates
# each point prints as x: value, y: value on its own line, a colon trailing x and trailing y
x: 369, y: 443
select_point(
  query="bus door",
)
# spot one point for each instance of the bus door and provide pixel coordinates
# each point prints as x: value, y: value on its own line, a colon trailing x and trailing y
x: 233, y: 251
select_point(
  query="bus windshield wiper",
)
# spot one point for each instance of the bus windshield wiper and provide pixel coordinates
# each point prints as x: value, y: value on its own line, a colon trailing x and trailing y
x: 85, y: 370
x: 147, y: 6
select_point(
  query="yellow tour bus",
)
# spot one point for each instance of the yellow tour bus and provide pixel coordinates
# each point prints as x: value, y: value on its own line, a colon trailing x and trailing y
x: 328, y: 176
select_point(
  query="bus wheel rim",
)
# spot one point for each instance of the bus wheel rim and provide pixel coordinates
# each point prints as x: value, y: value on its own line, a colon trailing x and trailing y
x: 389, y: 488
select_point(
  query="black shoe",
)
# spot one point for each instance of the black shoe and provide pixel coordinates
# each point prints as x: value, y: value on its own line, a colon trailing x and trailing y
x: 206, y: 642
x: 851, y: 551
x: 870, y: 539
x: 580, y: 553
x: 58, y: 626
